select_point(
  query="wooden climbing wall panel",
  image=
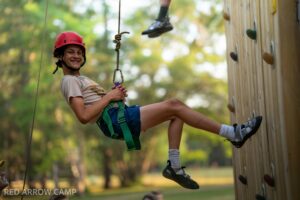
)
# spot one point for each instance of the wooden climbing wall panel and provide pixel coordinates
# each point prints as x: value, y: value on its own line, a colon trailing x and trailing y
x: 264, y: 79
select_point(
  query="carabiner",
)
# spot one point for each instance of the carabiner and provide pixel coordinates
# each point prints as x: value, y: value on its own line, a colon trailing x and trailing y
x: 121, y: 76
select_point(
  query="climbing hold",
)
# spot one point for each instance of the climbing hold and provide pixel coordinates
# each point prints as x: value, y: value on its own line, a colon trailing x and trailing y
x: 243, y: 179
x: 269, y: 180
x: 234, y: 56
x: 251, y: 33
x: 274, y: 6
x: 226, y: 16
x: 2, y: 162
x: 268, y: 58
x: 231, y: 108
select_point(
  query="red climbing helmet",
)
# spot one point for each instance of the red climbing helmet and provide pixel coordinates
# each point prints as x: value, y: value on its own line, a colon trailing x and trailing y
x: 62, y: 40
x: 67, y: 38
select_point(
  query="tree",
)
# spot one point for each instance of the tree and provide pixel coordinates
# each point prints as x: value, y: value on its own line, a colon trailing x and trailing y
x: 169, y: 66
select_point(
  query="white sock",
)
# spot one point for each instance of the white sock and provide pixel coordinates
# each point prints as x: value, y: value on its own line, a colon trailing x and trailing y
x: 174, y: 158
x: 227, y: 132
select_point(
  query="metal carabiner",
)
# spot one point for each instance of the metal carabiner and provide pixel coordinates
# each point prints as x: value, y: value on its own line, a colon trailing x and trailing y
x: 115, y: 75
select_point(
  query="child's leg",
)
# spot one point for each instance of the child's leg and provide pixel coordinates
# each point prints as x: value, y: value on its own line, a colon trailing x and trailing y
x: 174, y: 138
x: 165, y: 2
x: 177, y: 113
x: 174, y: 133
x: 163, y: 11
x: 154, y: 114
x: 157, y: 113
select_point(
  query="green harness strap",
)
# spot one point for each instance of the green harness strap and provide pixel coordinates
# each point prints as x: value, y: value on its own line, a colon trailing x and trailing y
x: 132, y: 143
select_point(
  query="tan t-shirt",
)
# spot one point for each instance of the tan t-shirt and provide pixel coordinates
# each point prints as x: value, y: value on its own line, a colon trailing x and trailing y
x: 81, y: 86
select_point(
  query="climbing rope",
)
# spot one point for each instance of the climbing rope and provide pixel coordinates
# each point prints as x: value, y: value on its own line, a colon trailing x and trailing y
x: 28, y: 153
x: 132, y: 143
x: 117, y: 40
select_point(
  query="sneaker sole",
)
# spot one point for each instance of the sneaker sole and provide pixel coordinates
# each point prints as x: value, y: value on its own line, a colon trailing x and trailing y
x: 159, y: 32
x: 240, y: 144
x: 166, y: 175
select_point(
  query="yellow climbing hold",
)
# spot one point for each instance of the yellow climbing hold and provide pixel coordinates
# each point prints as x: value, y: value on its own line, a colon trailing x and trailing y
x: 274, y: 6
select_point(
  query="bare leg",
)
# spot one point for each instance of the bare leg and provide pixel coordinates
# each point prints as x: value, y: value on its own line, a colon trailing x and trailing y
x: 165, y: 2
x: 154, y: 114
x: 174, y: 133
x: 177, y: 113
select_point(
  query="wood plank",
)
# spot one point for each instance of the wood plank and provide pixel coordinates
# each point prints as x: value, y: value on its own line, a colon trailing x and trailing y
x: 288, y: 31
x: 269, y: 90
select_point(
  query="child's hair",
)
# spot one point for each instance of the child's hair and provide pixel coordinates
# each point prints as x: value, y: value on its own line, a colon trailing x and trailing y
x: 58, y: 197
x: 58, y: 53
x: 153, y: 195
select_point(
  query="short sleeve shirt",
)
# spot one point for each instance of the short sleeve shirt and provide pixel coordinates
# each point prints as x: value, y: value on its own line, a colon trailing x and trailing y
x: 81, y: 86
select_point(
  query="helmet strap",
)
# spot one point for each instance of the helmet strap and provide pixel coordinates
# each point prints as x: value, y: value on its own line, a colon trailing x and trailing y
x: 55, y: 70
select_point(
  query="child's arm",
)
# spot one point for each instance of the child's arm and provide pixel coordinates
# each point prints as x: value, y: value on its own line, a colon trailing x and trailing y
x: 87, y: 113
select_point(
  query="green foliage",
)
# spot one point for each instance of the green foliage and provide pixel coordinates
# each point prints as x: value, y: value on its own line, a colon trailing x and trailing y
x: 154, y: 69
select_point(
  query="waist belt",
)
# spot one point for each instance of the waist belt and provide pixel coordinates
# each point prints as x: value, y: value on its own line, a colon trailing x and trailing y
x: 132, y: 143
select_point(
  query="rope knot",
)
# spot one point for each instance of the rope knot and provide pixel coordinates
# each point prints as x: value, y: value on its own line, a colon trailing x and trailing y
x: 117, y: 40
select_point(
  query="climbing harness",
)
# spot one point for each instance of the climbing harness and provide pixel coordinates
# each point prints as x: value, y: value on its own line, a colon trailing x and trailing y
x: 132, y: 143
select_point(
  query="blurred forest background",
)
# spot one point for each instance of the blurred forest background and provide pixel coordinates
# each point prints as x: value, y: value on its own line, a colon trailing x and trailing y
x: 187, y: 63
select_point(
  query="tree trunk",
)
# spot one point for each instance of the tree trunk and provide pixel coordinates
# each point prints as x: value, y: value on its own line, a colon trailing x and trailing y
x: 107, y: 171
x: 55, y: 174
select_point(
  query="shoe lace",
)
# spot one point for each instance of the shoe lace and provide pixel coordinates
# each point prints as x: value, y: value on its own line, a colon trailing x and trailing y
x: 183, y: 172
x: 156, y: 23
x: 245, y: 128
x: 250, y: 123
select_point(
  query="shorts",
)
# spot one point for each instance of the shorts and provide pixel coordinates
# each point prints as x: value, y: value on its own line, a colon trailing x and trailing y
x: 132, y: 116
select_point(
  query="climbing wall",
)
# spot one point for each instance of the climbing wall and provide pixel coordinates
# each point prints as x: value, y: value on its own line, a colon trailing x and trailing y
x: 263, y: 49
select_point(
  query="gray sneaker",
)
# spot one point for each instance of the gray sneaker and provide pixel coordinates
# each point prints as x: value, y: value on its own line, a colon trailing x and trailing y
x: 182, y: 179
x: 158, y: 27
x: 246, y: 130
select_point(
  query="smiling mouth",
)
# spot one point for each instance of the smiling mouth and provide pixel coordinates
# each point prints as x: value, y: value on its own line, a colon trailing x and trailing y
x: 75, y: 62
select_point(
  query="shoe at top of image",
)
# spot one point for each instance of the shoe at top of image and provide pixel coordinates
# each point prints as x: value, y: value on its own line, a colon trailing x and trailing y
x: 158, y: 27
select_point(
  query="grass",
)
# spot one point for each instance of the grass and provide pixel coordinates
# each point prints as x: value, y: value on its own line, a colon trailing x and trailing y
x: 169, y: 193
x: 224, y: 192
x: 215, y: 184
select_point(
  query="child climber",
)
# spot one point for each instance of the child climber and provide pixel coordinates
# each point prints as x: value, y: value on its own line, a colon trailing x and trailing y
x: 90, y: 101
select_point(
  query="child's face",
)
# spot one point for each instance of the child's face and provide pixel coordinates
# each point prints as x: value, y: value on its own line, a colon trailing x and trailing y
x: 73, y: 56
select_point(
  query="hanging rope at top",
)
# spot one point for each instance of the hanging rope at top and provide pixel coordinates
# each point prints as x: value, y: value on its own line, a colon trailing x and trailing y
x: 117, y: 40
x: 133, y: 143
x: 28, y: 153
